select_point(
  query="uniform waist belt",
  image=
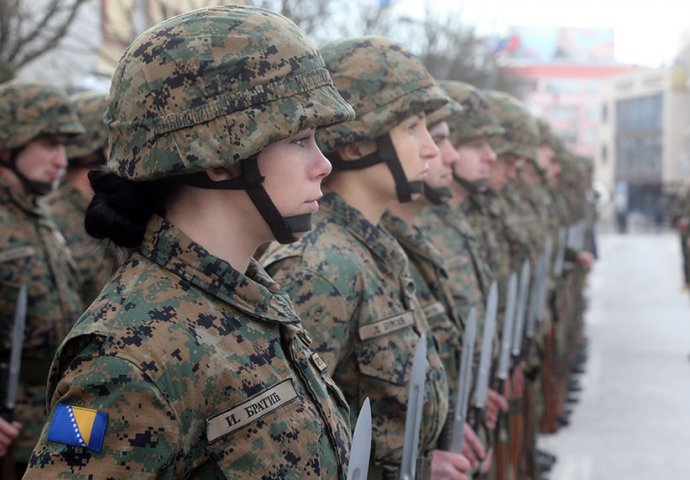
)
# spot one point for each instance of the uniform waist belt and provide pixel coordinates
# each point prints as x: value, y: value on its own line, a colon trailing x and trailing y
x: 391, y: 471
x: 34, y: 371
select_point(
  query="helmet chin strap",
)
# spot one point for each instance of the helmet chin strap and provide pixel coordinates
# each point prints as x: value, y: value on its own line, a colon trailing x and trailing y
x: 34, y: 186
x: 251, y: 180
x: 385, y: 152
x: 477, y: 186
x: 437, y: 196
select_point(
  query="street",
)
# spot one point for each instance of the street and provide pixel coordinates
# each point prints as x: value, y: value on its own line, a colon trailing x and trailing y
x: 633, y: 418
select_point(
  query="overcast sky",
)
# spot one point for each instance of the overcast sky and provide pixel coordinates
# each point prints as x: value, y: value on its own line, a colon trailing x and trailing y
x: 646, y: 32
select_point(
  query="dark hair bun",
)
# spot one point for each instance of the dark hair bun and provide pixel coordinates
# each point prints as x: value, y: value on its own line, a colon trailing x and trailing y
x: 120, y: 208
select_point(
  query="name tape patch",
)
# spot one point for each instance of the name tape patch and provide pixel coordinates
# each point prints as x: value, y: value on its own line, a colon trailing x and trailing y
x: 249, y: 411
x: 435, y: 308
x: 386, y: 326
x: 16, y: 253
x: 457, y: 261
x: 319, y: 363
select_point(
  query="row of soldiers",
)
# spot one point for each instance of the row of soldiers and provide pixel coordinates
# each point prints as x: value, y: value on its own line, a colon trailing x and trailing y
x: 439, y: 190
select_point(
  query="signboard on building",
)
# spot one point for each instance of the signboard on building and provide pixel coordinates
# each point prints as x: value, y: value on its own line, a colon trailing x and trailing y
x: 560, y: 44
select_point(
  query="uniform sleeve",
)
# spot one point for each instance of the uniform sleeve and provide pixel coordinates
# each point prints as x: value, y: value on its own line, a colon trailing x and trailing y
x: 326, y: 313
x: 141, y: 437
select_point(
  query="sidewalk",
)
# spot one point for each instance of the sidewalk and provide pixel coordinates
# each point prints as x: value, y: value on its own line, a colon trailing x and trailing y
x: 633, y: 419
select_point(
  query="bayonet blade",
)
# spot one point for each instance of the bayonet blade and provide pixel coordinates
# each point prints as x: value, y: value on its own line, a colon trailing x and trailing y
x: 560, y: 255
x: 464, y: 382
x: 17, y: 347
x: 413, y: 419
x: 358, y: 468
x: 523, y: 291
x: 508, y: 325
x: 480, y: 393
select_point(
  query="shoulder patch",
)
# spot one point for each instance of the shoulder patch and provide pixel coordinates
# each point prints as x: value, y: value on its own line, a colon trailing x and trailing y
x: 238, y: 417
x: 387, y: 325
x: 78, y: 426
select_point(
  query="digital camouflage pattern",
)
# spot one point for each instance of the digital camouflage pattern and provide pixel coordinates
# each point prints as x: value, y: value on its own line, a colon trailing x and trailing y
x: 33, y: 252
x: 430, y: 276
x: 520, y: 138
x: 198, y: 91
x: 450, y: 109
x: 384, y: 83
x: 476, y: 119
x: 350, y: 283
x: 469, y: 274
x: 29, y: 110
x: 90, y: 107
x: 67, y: 207
x: 177, y: 338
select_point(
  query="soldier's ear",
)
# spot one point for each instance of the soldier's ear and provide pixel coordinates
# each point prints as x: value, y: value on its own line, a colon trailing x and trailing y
x: 356, y: 151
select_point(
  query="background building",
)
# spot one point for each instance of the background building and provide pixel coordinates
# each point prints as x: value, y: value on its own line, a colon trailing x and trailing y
x: 645, y: 148
x: 562, y: 71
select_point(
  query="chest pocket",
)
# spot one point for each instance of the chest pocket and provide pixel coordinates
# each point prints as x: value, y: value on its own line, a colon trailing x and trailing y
x: 387, y: 348
x: 272, y: 435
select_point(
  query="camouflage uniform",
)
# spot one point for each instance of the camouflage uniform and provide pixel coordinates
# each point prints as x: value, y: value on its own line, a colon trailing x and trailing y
x: 468, y: 257
x: 33, y: 252
x: 67, y: 205
x: 350, y: 283
x: 178, y: 342
x: 349, y: 279
x: 204, y: 371
x: 430, y: 276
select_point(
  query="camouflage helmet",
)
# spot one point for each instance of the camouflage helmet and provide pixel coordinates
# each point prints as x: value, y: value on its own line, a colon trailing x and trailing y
x: 547, y: 136
x: 382, y: 81
x: 445, y: 113
x: 213, y: 87
x: 520, y: 138
x: 90, y: 107
x: 30, y: 110
x: 476, y: 120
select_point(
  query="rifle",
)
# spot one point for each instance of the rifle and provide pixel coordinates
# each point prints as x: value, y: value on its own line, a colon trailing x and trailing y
x: 358, y: 467
x: 413, y: 419
x: 462, y: 396
x: 483, y: 370
x: 501, y: 445
x: 11, y: 372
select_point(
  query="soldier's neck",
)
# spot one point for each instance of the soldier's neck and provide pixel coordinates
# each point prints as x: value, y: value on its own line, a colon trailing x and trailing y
x: 459, y: 194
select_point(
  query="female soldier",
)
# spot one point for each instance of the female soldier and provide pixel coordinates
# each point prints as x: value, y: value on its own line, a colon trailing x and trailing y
x: 349, y: 278
x: 191, y: 363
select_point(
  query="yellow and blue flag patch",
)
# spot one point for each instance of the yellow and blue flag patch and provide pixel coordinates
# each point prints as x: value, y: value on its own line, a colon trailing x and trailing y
x: 78, y: 426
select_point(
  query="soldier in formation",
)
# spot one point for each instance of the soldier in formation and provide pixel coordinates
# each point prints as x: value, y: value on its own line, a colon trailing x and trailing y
x: 67, y: 204
x: 192, y: 361
x: 35, y: 123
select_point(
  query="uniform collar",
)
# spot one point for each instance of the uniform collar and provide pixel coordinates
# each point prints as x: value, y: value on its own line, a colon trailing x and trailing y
x: 254, y: 293
x: 21, y: 200
x: 412, y: 238
x: 376, y: 239
x: 453, y: 217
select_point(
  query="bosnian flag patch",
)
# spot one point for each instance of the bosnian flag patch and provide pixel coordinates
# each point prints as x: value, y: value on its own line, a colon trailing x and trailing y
x: 78, y: 426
